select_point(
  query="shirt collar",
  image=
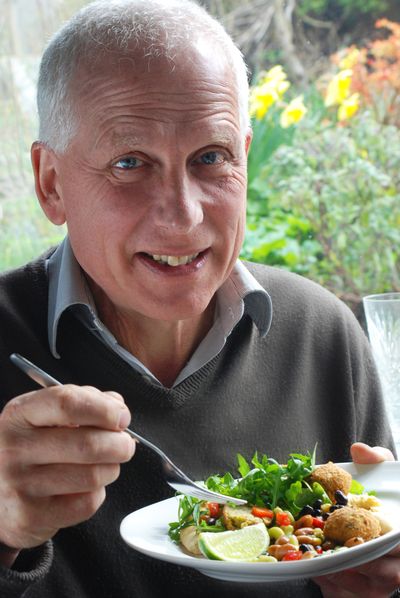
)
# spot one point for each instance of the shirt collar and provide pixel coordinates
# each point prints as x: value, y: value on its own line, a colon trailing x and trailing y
x: 240, y: 293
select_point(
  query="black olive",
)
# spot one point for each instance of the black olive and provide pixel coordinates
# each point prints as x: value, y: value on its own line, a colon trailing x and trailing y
x: 306, y: 547
x: 317, y: 504
x: 211, y: 521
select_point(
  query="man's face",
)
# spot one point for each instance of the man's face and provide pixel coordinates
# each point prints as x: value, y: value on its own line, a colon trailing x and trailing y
x: 157, y: 168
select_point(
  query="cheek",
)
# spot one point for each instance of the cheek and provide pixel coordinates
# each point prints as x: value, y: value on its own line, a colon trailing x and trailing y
x: 231, y: 202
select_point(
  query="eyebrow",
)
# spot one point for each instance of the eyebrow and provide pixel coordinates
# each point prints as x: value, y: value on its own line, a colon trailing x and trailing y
x: 215, y: 136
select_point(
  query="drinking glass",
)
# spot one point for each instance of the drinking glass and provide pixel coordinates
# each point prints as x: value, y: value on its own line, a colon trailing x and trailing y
x: 383, y: 323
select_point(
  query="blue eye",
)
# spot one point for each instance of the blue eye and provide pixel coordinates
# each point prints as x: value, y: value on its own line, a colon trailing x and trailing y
x: 210, y: 158
x: 128, y: 163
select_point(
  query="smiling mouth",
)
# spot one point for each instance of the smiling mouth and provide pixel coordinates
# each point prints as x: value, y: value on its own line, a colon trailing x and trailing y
x: 173, y: 260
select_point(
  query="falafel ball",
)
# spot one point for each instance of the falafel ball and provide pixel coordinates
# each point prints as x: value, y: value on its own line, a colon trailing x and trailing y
x: 332, y: 478
x: 348, y: 522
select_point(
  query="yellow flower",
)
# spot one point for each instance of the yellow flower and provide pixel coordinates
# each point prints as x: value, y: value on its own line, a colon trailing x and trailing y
x: 350, y: 59
x: 338, y: 88
x: 293, y: 112
x: 271, y: 87
x: 349, y: 107
x: 261, y: 99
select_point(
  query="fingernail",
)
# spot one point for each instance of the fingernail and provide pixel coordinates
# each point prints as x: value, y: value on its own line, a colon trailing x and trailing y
x: 124, y: 419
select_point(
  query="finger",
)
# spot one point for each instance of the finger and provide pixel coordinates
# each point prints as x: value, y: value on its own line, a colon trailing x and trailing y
x: 329, y: 588
x: 395, y: 552
x: 54, y: 480
x: 67, y: 405
x: 376, y: 579
x: 32, y: 526
x: 114, y: 395
x: 365, y: 454
x: 348, y: 584
x: 383, y: 572
x: 83, y: 445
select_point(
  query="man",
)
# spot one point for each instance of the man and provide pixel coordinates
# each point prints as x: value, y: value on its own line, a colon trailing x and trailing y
x: 144, y: 310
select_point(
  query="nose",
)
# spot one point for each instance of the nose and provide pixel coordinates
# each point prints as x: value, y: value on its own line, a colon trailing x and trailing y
x: 179, y: 206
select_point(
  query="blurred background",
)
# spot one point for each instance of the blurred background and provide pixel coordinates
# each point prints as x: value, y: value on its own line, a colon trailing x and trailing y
x: 324, y: 167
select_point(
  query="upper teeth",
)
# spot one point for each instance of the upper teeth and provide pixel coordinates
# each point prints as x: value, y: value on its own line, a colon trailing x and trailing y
x: 175, y: 260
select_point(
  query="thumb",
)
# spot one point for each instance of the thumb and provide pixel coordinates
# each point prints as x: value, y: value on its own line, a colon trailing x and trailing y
x: 365, y: 454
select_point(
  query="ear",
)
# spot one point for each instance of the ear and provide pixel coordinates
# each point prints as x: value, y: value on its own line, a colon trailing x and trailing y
x: 44, y: 164
x: 247, y: 140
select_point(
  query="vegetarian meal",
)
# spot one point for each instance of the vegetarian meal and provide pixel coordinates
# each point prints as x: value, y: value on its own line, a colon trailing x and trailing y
x: 294, y: 511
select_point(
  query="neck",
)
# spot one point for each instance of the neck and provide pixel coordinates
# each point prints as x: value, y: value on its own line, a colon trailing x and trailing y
x: 164, y: 347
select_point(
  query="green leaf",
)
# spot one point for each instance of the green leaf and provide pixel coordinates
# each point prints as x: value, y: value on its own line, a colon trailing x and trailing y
x: 243, y: 467
x: 356, y: 487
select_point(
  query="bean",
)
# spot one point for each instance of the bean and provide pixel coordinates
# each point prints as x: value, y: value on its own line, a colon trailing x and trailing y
x: 306, y: 547
x: 275, y: 532
x: 340, y: 498
x: 282, y: 540
x: 304, y: 521
x: 328, y: 545
x: 306, y: 510
x: 335, y: 507
x: 308, y: 555
x: 309, y: 540
x: 293, y: 540
x: 304, y: 531
x: 279, y: 551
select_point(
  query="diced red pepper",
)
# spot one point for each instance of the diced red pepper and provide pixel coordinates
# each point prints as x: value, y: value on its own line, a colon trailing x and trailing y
x: 317, y: 522
x: 214, y: 509
x: 318, y: 549
x: 283, y: 519
x: 262, y: 512
x: 292, y: 555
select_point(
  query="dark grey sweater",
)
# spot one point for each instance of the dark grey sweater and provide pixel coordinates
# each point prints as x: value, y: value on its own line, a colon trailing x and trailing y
x: 311, y: 379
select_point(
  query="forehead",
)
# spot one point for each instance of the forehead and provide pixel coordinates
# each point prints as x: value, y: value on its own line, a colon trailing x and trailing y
x: 196, y: 88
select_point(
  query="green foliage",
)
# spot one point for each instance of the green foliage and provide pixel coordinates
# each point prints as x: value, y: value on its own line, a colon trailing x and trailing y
x: 329, y: 9
x: 343, y: 185
x: 271, y: 484
x: 24, y: 231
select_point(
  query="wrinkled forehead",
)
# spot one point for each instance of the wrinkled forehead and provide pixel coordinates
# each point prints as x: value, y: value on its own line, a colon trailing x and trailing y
x: 188, y: 67
x: 196, y: 87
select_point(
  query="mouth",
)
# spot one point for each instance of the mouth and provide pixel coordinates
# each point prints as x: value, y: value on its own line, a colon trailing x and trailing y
x: 172, y: 260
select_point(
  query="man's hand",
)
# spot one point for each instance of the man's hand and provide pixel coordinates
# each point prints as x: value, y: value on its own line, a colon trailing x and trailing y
x: 59, y: 448
x: 376, y: 579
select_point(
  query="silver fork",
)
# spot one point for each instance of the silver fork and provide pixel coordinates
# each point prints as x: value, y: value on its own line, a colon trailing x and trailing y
x: 173, y: 475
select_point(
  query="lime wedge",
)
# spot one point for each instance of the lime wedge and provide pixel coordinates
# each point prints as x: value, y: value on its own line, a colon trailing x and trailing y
x: 238, y: 545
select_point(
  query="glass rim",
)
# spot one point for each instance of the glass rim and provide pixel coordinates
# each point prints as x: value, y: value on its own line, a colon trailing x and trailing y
x: 389, y: 296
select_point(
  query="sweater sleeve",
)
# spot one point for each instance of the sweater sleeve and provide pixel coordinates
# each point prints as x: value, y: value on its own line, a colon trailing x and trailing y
x: 30, y: 568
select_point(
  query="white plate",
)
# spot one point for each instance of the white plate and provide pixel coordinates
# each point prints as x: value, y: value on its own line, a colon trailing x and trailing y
x: 146, y: 530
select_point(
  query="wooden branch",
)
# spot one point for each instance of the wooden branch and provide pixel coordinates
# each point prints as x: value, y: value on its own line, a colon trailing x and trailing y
x: 283, y: 31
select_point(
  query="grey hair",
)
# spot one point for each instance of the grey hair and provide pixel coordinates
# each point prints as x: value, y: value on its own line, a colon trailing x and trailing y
x: 160, y: 27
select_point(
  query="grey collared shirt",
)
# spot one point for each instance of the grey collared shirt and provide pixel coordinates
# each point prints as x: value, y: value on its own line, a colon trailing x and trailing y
x: 68, y: 288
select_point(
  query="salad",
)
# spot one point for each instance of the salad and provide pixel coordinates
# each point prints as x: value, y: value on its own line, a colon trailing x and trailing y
x: 294, y: 511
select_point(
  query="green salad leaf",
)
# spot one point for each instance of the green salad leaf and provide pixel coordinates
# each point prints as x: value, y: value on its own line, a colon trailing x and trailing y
x: 271, y: 484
